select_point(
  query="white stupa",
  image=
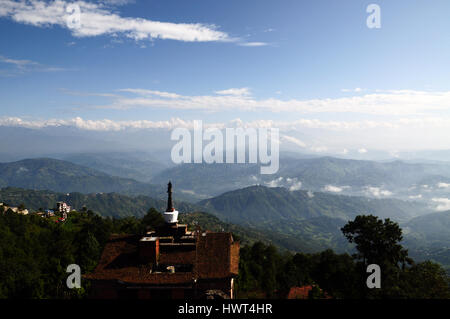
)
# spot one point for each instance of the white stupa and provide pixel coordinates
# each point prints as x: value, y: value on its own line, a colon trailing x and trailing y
x: 170, y: 215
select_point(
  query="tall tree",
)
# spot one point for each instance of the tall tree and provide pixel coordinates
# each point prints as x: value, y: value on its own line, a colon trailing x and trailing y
x: 378, y: 242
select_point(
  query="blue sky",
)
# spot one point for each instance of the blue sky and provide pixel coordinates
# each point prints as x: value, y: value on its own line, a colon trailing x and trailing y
x: 305, y: 65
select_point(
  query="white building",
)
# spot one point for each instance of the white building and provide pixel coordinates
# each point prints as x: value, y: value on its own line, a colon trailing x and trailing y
x: 62, y: 207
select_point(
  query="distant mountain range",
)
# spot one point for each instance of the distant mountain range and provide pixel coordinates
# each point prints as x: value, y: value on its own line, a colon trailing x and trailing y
x: 66, y: 177
x: 395, y: 179
x: 137, y: 165
x: 140, y: 173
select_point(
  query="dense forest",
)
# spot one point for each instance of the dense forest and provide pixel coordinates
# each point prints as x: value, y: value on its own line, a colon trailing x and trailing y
x: 35, y: 251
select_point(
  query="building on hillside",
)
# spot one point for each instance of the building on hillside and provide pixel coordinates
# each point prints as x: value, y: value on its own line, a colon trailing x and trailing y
x: 23, y: 211
x: 62, y: 207
x: 169, y: 262
x: 16, y: 210
x: 304, y: 292
x: 49, y: 213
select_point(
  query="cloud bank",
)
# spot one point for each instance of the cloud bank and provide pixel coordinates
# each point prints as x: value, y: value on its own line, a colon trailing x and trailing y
x: 388, y: 103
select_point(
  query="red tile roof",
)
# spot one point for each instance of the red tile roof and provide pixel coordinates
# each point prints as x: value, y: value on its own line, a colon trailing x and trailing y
x: 299, y: 292
x: 302, y: 293
x: 215, y: 255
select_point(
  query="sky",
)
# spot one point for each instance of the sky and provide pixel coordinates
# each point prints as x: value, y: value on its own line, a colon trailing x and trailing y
x: 313, y: 69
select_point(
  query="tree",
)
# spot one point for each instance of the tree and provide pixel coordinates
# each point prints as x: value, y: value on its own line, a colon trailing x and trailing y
x: 153, y: 219
x: 426, y: 280
x: 377, y: 242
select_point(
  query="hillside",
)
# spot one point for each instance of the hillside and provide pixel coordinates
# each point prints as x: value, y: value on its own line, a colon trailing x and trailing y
x: 248, y: 235
x: 434, y: 228
x: 259, y: 204
x: 105, y: 204
x: 313, y: 218
x: 66, y: 177
x: 428, y: 237
x: 310, y: 234
x: 137, y: 165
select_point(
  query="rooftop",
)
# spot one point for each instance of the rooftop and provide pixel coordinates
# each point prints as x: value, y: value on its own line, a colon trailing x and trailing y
x: 212, y: 256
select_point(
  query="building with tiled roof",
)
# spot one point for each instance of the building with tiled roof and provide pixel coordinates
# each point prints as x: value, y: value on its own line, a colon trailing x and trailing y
x: 304, y: 292
x: 168, y: 262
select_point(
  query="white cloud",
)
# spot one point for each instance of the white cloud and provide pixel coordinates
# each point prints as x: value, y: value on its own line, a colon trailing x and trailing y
x: 311, y: 133
x: 97, y: 19
x: 415, y: 196
x: 234, y: 91
x: 152, y: 92
x: 443, y: 185
x: 356, y: 90
x: 392, y: 103
x: 362, y: 151
x: 377, y: 191
x: 117, y: 2
x: 294, y: 184
x: 253, y: 44
x: 96, y: 125
x: 333, y: 189
x: 278, y: 182
x: 443, y: 203
x: 20, y: 66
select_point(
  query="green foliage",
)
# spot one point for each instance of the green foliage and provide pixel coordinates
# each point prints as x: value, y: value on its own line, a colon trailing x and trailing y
x: 105, y: 204
x: 378, y: 243
x: 426, y: 280
x: 259, y: 204
x: 35, y: 251
x: 428, y: 238
x: 153, y: 219
x: 264, y: 271
x: 299, y: 220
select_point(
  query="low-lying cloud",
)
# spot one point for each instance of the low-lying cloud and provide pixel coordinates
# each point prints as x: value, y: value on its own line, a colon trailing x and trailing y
x: 443, y: 204
x: 377, y: 191
x: 334, y: 189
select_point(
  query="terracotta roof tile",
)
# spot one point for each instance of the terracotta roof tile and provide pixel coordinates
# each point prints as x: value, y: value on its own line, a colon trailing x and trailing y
x: 214, y: 255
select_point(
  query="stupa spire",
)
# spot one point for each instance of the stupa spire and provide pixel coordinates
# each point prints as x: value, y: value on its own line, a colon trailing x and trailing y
x: 169, y: 198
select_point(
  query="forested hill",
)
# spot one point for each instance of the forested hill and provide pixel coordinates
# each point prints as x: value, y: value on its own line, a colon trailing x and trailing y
x: 105, y: 204
x: 259, y: 204
x: 65, y: 177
